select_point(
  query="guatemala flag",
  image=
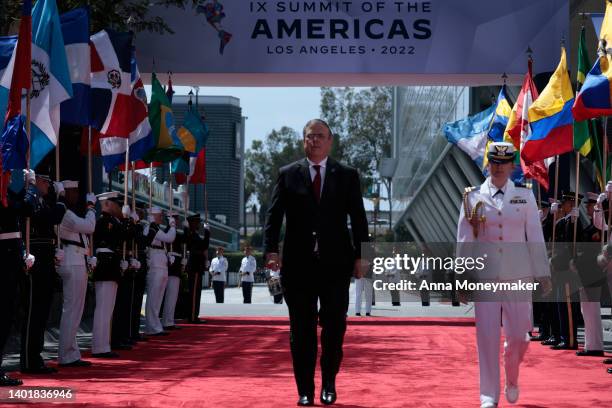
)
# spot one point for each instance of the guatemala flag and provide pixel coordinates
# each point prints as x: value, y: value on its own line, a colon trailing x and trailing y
x: 75, y: 29
x: 51, y: 83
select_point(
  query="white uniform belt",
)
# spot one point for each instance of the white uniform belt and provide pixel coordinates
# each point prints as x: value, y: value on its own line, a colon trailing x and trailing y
x: 10, y: 235
x: 104, y: 251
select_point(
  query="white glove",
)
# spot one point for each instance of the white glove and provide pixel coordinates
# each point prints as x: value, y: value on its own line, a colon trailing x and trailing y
x: 123, y: 264
x: 575, y: 213
x: 184, y: 261
x: 29, y: 261
x: 29, y: 176
x: 92, y: 261
x: 134, y: 216
x: 90, y: 198
x: 554, y: 208
x: 185, y: 224
x: 541, y: 213
x: 125, y: 211
x: 208, y: 264
x: 609, y: 187
x: 59, y: 255
x: 150, y: 218
x: 171, y: 259
x: 58, y: 187
x: 572, y: 266
x: 171, y: 222
x: 206, y: 226
x: 601, y: 198
x: 134, y: 263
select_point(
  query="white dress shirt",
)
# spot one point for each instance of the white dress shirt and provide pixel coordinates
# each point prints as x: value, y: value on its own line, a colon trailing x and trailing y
x: 248, y: 264
x: 219, y: 264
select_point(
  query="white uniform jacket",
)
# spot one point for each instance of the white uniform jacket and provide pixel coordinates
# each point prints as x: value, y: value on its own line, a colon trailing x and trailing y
x: 157, y: 254
x: 75, y: 229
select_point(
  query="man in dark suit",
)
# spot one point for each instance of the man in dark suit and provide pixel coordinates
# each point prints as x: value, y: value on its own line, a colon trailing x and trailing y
x: 316, y: 195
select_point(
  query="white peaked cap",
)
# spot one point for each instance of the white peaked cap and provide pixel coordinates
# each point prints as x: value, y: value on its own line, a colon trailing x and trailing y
x: 70, y: 184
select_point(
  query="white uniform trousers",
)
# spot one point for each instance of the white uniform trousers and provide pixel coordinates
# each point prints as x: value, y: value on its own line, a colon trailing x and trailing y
x: 363, y: 285
x: 591, y: 314
x: 517, y: 322
x: 172, y: 291
x: 106, y: 293
x: 74, y: 284
x: 157, y: 279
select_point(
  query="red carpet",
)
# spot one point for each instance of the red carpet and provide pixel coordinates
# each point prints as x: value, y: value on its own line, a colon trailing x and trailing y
x: 245, y: 362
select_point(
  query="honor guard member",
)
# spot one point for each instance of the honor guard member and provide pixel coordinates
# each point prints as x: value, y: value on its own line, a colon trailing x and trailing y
x: 157, y: 276
x: 142, y: 242
x: 38, y: 284
x: 112, y: 230
x: 564, y: 277
x: 592, y: 279
x: 176, y: 266
x: 218, y: 271
x: 13, y: 208
x: 498, y: 216
x: 248, y: 266
x: 197, y: 247
x: 73, y: 232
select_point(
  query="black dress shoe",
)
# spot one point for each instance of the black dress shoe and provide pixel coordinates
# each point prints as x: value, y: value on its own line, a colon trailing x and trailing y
x: 328, y: 393
x: 77, y: 363
x: 551, y: 341
x: 608, y: 361
x: 162, y: 333
x: 305, y: 401
x: 6, y: 381
x: 197, y: 321
x: 399, y: 304
x: 39, y: 370
x: 590, y: 353
x: 109, y: 354
x: 121, y: 346
x: 609, y: 370
x: 368, y: 314
x: 357, y: 314
x: 564, y: 346
x: 171, y: 328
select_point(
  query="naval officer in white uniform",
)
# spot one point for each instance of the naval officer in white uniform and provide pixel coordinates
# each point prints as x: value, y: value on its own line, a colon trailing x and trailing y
x: 502, y: 220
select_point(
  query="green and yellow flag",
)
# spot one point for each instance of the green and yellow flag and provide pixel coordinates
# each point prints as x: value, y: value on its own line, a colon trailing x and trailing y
x: 167, y: 146
x: 583, y: 141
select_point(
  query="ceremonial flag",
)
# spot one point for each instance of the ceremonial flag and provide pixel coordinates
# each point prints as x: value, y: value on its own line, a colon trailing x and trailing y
x: 193, y: 135
x: 51, y: 83
x: 7, y: 46
x: 594, y: 98
x: 470, y: 134
x: 167, y: 145
x: 13, y: 137
x: 503, y: 109
x: 75, y: 29
x: 518, y: 129
x: 582, y: 136
x: 197, y: 168
x: 550, y: 117
x: 111, y: 85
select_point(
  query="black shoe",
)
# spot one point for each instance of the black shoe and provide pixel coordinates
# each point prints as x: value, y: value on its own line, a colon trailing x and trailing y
x: 120, y: 346
x: 608, y: 361
x: 77, y: 363
x: 551, y: 341
x: 6, y: 381
x: 39, y: 370
x: 399, y: 304
x: 197, y: 321
x: 422, y: 304
x: 171, y: 328
x: 368, y: 314
x: 357, y: 314
x: 609, y: 370
x: 564, y: 346
x: 328, y: 392
x: 305, y: 401
x: 590, y: 353
x: 109, y: 354
x: 162, y: 333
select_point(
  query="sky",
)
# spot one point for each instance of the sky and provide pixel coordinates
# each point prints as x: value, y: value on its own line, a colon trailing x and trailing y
x: 268, y: 108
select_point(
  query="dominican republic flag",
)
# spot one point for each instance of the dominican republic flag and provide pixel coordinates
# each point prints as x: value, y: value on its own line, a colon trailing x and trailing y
x: 140, y: 135
x: 111, y: 84
x: 75, y: 29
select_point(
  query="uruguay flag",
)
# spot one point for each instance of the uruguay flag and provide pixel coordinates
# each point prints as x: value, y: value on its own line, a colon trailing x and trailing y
x: 75, y: 29
x: 51, y: 83
x: 7, y: 45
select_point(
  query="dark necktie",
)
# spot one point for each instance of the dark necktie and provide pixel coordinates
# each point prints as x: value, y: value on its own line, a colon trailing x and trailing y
x: 316, y: 183
x: 498, y: 192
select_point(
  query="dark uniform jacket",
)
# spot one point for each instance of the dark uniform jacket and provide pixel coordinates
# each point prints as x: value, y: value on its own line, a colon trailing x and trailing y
x: 110, y: 234
x: 177, y: 247
x: 198, y: 250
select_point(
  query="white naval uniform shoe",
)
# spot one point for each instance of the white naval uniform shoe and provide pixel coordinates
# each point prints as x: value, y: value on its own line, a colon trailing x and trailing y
x: 512, y: 393
x: 488, y: 405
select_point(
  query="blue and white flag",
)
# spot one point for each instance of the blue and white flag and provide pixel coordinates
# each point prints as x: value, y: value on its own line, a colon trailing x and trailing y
x: 75, y: 29
x: 51, y: 83
x: 470, y: 134
x: 7, y: 45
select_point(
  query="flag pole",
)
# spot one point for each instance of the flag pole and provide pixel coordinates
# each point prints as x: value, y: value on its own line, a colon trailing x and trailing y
x: 125, y: 184
x: 171, y: 197
x: 552, y: 249
x: 134, y: 204
x: 90, y: 179
x: 28, y: 128
x: 576, y: 203
x: 150, y: 185
x: 605, y: 173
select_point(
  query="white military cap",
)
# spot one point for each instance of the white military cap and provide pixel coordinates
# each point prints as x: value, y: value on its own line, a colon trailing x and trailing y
x: 501, y: 152
x: 155, y: 210
x: 70, y: 184
x: 110, y: 195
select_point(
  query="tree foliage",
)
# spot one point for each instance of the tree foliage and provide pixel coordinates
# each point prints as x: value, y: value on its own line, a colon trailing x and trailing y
x: 362, y: 121
x: 134, y: 15
x: 264, y: 159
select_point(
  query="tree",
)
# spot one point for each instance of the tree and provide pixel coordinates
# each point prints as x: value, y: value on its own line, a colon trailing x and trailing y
x: 361, y: 119
x: 125, y: 15
x: 265, y: 158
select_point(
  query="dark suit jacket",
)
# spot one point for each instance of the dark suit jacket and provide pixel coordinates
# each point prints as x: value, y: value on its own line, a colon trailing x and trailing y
x: 307, y: 220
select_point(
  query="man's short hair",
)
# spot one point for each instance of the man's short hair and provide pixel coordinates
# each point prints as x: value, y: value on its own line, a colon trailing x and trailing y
x: 315, y: 121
